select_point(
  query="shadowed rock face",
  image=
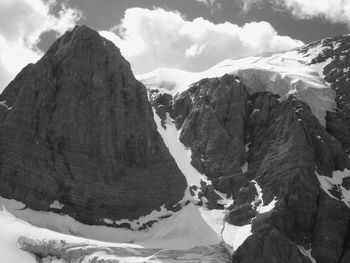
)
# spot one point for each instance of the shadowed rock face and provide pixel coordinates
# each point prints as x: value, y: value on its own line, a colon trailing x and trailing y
x: 77, y: 127
x: 237, y: 137
x: 335, y: 51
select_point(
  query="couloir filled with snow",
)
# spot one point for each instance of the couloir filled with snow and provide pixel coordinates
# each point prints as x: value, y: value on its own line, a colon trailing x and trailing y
x: 193, y: 234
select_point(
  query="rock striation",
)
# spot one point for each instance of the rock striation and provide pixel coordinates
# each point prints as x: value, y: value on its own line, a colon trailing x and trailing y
x: 334, y: 52
x: 76, y: 127
x: 240, y: 140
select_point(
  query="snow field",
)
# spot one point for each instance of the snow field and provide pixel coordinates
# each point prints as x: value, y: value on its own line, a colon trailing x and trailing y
x: 283, y: 74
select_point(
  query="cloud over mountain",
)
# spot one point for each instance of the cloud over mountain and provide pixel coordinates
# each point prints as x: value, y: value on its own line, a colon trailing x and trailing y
x: 210, y: 3
x: 160, y: 38
x: 335, y: 11
x: 21, y: 24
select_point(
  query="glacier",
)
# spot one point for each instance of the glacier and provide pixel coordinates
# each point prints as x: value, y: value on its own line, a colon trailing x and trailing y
x: 284, y: 74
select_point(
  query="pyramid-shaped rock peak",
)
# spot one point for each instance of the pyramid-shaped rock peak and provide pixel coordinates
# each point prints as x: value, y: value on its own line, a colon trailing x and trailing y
x: 77, y: 127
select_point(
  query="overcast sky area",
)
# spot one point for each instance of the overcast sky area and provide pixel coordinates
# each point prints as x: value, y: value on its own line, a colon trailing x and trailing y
x: 192, y: 35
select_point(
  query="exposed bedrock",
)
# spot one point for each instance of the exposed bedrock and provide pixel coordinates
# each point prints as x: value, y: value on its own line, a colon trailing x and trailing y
x: 335, y: 53
x: 77, y: 127
x: 237, y: 139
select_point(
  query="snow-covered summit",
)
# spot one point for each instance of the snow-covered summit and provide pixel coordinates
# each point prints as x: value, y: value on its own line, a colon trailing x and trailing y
x: 287, y: 73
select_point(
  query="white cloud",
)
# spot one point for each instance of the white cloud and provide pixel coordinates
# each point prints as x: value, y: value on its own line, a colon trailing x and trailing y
x: 335, y: 11
x: 210, y: 3
x: 21, y: 24
x: 159, y: 38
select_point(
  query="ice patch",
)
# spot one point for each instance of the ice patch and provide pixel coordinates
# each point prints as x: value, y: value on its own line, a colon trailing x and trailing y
x: 225, y: 201
x: 247, y: 147
x: 108, y: 221
x: 261, y: 208
x: 320, y: 66
x: 244, y: 168
x: 56, y: 205
x: 4, y: 103
x: 236, y: 235
x: 334, y: 183
x: 336, y: 45
x: 155, y: 215
x: 307, y: 253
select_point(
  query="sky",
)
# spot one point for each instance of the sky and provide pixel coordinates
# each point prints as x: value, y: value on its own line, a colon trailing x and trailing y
x: 192, y: 35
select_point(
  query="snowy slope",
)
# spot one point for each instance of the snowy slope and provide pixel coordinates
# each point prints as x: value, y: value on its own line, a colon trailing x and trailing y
x: 182, y: 237
x: 233, y: 236
x: 192, y: 234
x: 281, y: 73
x: 185, y: 235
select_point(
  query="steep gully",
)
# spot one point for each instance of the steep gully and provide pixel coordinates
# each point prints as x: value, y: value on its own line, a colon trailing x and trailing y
x: 286, y: 150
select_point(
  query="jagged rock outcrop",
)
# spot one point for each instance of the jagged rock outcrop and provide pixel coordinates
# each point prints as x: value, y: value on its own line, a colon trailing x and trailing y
x: 334, y: 52
x: 237, y: 138
x: 77, y: 127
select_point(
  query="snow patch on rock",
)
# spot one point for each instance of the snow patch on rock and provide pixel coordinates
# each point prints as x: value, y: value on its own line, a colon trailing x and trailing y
x: 333, y: 185
x: 155, y: 215
x: 307, y: 253
x: 236, y: 235
x: 56, y: 205
x: 258, y: 203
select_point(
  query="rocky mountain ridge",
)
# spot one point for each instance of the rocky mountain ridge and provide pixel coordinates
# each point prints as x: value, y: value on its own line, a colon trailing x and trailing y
x: 242, y: 140
x: 76, y: 127
x: 267, y: 141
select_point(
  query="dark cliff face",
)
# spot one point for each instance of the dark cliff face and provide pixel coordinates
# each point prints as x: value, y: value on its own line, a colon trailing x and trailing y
x: 77, y: 127
x: 238, y: 138
x: 335, y: 52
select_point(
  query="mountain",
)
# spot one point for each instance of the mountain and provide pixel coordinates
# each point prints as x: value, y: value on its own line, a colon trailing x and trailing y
x: 77, y: 130
x: 246, y: 162
x: 272, y: 132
